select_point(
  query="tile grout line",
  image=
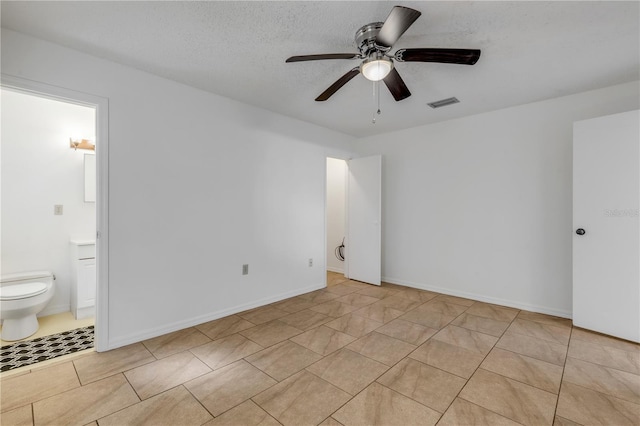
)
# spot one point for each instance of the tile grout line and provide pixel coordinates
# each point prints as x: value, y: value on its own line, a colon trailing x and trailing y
x: 140, y: 400
x: 200, y: 402
x: 539, y: 338
x: 356, y: 395
x: 599, y: 391
x: 466, y: 379
x: 75, y: 369
x: 527, y: 356
x: 391, y: 367
x: 375, y: 380
x: 477, y: 368
x: 602, y: 365
x: 149, y: 350
x: 277, y: 381
x: 564, y: 366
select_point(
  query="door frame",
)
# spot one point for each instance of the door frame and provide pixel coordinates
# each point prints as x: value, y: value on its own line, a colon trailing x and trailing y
x: 347, y: 269
x: 101, y: 106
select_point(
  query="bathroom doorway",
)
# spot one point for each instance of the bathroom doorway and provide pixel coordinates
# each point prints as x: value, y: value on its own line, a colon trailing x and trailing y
x: 53, y: 201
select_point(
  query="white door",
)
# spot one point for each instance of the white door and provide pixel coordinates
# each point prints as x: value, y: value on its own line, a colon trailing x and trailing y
x: 606, y: 234
x: 364, y: 239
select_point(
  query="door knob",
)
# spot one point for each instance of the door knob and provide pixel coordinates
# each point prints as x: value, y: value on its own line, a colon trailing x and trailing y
x: 580, y: 231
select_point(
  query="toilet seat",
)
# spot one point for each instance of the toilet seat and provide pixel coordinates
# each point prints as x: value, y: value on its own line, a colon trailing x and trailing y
x: 22, y: 291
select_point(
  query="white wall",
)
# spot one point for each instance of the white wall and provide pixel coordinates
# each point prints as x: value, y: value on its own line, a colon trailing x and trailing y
x: 336, y: 186
x: 198, y: 185
x: 38, y: 170
x: 481, y: 206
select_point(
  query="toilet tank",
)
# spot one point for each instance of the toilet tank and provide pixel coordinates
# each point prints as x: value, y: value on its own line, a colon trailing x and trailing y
x: 27, y: 277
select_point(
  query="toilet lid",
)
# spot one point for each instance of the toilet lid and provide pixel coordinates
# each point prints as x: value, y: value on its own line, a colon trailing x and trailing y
x: 20, y: 291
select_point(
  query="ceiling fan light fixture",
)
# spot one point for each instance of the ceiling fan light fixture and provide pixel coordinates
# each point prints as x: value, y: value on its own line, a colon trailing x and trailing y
x: 375, y: 69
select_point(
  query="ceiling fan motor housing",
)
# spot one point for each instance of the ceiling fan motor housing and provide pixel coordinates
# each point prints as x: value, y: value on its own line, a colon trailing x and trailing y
x: 366, y: 39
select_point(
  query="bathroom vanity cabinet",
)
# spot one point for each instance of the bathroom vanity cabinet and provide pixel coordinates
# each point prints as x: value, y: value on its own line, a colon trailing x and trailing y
x: 83, y: 278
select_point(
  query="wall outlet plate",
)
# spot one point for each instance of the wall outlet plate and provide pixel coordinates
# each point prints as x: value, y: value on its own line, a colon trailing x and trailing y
x: 310, y: 262
x: 57, y: 209
x: 245, y: 269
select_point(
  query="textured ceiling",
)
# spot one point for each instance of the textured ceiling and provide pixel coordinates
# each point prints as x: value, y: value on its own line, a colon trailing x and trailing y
x: 530, y: 51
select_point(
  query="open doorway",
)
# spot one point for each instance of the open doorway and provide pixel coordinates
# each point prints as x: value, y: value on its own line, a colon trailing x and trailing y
x: 49, y: 225
x: 354, y: 219
x: 336, y: 220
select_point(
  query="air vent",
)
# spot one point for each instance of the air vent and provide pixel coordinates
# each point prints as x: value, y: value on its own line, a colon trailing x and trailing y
x: 443, y: 102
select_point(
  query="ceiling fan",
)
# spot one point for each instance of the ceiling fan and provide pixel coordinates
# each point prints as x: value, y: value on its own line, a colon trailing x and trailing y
x: 374, y: 42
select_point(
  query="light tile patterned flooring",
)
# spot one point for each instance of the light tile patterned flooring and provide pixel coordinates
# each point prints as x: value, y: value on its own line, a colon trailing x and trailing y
x: 350, y: 354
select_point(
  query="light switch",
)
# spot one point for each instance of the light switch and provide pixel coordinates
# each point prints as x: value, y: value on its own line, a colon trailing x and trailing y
x: 57, y: 209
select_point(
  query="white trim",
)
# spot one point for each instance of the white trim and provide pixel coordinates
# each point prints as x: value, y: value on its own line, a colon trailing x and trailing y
x: 345, y: 265
x: 101, y: 106
x: 180, y: 325
x: 337, y: 270
x: 481, y: 298
x: 325, y: 226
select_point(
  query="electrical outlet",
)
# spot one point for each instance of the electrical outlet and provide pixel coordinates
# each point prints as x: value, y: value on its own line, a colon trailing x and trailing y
x: 57, y: 209
x: 245, y: 269
x: 310, y: 262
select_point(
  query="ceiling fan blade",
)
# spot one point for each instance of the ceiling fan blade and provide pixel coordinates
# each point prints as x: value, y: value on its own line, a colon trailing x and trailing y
x: 446, y: 56
x: 323, y: 56
x: 338, y: 84
x: 398, y: 21
x: 396, y: 85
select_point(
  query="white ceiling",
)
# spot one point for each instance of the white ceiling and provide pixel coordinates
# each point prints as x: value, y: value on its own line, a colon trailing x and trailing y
x: 530, y: 51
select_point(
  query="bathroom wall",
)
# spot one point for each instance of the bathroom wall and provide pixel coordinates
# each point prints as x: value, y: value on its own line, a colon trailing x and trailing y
x: 198, y: 186
x: 336, y: 186
x: 38, y: 171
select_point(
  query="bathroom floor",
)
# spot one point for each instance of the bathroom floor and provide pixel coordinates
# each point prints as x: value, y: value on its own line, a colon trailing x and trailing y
x: 60, y: 336
x: 53, y: 324
x: 348, y: 354
x: 29, y: 352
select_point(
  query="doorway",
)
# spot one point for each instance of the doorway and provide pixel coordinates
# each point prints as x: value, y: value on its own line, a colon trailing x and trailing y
x: 606, y: 237
x: 354, y: 222
x: 54, y: 192
x: 336, y: 219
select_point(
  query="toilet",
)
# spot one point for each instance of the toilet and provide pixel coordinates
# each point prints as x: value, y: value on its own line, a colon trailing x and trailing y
x: 22, y: 297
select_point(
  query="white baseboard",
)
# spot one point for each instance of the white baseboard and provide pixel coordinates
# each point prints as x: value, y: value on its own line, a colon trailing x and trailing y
x: 482, y: 298
x: 332, y: 269
x: 180, y: 325
x: 88, y: 312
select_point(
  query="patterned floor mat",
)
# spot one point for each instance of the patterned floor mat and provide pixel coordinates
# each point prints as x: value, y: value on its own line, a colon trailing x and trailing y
x: 43, y: 348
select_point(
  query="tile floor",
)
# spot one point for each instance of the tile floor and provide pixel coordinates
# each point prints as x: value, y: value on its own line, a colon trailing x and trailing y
x: 350, y: 354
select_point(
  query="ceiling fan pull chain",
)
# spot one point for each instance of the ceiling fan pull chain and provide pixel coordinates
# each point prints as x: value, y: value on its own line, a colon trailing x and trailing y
x: 378, y: 87
x: 376, y: 91
x: 376, y: 95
